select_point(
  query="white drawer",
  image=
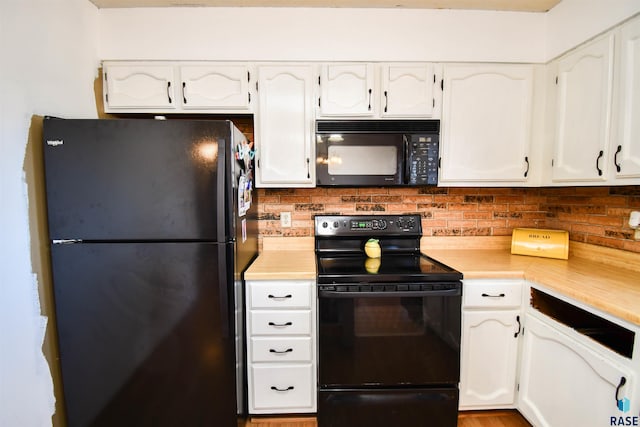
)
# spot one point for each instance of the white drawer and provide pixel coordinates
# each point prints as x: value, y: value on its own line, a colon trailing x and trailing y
x: 282, y: 322
x: 285, y: 388
x: 492, y: 294
x: 280, y: 294
x: 281, y: 349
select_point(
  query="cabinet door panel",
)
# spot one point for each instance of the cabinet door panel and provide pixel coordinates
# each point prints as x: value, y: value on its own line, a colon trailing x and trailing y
x: 408, y: 90
x: 347, y: 89
x: 627, y: 149
x: 583, y: 116
x: 140, y: 86
x: 565, y: 383
x: 488, y: 359
x: 215, y: 86
x: 284, y: 127
x: 486, y: 122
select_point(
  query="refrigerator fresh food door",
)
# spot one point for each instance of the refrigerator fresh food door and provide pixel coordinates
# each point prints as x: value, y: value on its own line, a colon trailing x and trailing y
x: 146, y: 333
x: 137, y: 179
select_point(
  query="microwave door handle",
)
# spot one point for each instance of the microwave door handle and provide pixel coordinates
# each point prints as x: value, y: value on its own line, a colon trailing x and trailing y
x: 407, y: 160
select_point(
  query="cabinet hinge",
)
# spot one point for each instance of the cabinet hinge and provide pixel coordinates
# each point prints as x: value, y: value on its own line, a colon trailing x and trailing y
x: 551, y: 162
x: 442, y: 84
x: 434, y: 102
x: 248, y: 76
x: 318, y: 80
x: 256, y: 86
x: 106, y: 97
x: 556, y: 79
x: 518, y: 387
x: 439, y: 162
x: 319, y: 98
x: 434, y: 78
x: 105, y: 77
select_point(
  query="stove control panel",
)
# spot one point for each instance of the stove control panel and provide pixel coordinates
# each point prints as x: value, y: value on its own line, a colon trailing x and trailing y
x: 375, y: 225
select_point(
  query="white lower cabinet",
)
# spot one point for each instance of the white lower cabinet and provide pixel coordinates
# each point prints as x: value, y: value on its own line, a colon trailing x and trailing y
x: 567, y: 383
x: 281, y: 349
x: 491, y: 327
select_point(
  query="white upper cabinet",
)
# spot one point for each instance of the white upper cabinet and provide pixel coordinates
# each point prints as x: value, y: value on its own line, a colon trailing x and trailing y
x: 176, y: 87
x: 132, y: 86
x: 625, y: 150
x: 583, y: 113
x: 215, y: 86
x: 408, y: 90
x: 284, y: 126
x: 347, y: 89
x: 486, y: 124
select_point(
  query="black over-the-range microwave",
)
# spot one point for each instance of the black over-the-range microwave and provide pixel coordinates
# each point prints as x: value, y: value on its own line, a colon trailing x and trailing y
x: 377, y: 152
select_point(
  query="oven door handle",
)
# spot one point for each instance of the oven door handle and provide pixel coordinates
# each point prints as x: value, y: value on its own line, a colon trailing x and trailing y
x: 380, y: 294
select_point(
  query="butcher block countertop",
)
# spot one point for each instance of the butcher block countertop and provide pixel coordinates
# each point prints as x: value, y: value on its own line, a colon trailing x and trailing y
x: 603, y: 278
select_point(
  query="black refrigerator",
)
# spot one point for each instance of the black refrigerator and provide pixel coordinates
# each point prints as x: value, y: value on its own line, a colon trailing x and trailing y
x: 151, y: 226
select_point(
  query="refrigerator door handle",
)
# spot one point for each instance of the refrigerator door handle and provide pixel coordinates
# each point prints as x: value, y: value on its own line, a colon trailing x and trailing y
x: 224, y: 292
x: 65, y: 241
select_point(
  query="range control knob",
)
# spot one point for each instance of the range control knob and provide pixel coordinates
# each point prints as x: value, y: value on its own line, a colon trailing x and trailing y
x: 325, y: 224
x: 379, y: 224
x: 336, y: 224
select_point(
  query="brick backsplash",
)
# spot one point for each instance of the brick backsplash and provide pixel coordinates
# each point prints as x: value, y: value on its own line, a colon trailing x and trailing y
x: 597, y: 215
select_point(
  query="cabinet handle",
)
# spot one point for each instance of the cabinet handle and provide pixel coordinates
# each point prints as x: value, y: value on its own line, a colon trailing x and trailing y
x: 289, y: 350
x: 526, y: 159
x: 386, y: 101
x: 280, y: 325
x: 169, y: 93
x: 600, y: 154
x: 184, y: 98
x: 623, y: 381
x: 369, y: 99
x: 308, y: 169
x: 282, y: 389
x: 493, y: 296
x: 615, y: 158
x: 282, y: 297
x: 519, y: 327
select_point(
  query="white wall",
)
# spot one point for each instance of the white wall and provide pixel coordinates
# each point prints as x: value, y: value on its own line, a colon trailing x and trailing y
x: 573, y: 21
x: 355, y: 34
x: 47, y: 49
x: 321, y: 34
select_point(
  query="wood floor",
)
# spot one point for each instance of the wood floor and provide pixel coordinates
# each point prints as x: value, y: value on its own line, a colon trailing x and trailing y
x: 465, y: 419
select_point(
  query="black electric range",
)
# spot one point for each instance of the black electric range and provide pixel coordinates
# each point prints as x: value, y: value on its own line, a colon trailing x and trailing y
x: 388, y: 328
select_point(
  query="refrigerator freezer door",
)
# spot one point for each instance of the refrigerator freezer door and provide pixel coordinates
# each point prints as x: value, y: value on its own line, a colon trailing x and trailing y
x: 137, y: 179
x: 146, y: 333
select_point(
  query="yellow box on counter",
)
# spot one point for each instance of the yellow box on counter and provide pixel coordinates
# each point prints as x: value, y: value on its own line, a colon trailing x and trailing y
x: 540, y: 242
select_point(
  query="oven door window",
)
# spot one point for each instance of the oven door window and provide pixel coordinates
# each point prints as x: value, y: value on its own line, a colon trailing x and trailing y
x: 391, y: 341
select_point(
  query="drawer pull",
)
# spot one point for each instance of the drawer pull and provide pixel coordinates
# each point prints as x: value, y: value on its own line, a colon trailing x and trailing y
x: 280, y: 325
x: 281, y: 389
x: 289, y: 350
x: 283, y: 297
x: 519, y: 327
x: 493, y: 296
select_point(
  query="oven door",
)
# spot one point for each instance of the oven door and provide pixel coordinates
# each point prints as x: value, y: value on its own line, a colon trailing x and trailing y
x: 388, y: 358
x: 357, y: 159
x: 389, y: 339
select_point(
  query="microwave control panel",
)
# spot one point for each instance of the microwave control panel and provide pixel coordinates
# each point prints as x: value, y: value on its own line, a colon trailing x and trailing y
x: 422, y: 159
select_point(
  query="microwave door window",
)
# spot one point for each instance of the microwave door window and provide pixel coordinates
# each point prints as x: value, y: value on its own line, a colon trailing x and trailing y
x: 362, y: 160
